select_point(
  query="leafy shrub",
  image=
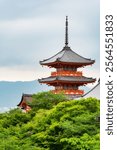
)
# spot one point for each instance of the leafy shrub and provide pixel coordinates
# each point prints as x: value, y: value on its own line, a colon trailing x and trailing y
x: 46, y: 100
x: 54, y: 124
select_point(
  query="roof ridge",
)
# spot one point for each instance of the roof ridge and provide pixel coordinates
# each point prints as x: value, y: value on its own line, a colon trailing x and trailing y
x: 64, y: 52
x: 80, y: 55
x: 91, y: 89
x: 51, y: 57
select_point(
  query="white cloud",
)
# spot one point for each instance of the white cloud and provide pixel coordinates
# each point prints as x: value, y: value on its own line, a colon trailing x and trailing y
x: 23, y: 73
x: 25, y: 26
x: 34, y: 31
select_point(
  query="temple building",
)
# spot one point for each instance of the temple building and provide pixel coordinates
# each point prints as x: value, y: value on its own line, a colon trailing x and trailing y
x: 23, y: 104
x: 94, y: 92
x: 67, y: 78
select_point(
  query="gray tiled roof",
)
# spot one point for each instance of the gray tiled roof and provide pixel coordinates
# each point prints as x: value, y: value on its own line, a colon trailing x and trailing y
x: 26, y: 98
x: 94, y: 92
x: 67, y: 56
x: 68, y: 79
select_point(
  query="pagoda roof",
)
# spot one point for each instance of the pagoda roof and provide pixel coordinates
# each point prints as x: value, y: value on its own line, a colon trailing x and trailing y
x: 67, y: 79
x: 67, y: 56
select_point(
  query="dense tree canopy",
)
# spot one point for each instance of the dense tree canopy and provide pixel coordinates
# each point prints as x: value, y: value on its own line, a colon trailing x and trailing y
x: 61, y: 125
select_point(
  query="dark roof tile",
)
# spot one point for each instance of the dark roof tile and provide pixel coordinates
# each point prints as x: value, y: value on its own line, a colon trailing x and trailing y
x: 67, y: 78
x: 68, y: 56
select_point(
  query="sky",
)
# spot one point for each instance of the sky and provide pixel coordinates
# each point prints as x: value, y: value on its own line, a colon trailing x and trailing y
x: 33, y: 30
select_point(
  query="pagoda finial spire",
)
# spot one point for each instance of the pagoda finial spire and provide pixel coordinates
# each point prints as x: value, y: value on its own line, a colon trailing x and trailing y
x: 66, y: 31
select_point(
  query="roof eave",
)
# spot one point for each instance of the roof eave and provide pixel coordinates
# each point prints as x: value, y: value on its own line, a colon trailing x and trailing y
x: 20, y: 101
x: 66, y: 81
x: 30, y: 95
x: 71, y: 63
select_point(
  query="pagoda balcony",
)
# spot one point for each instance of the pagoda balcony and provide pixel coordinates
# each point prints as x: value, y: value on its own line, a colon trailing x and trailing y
x: 69, y: 92
x: 67, y: 73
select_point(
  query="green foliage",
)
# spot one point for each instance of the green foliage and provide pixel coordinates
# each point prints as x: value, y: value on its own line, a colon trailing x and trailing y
x: 66, y: 125
x: 85, y: 142
x: 67, y: 121
x: 14, y: 117
x: 46, y: 100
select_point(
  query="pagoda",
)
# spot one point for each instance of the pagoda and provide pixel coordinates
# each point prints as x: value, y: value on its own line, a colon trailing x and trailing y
x: 66, y: 78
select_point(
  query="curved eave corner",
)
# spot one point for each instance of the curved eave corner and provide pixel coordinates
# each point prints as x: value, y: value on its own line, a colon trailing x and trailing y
x: 40, y: 81
x: 20, y: 101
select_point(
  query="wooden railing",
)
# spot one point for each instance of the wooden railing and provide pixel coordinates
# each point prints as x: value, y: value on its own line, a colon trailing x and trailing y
x: 67, y: 73
x: 69, y: 92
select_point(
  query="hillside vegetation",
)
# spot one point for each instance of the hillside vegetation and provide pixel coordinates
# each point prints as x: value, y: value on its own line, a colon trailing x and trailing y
x: 55, y: 123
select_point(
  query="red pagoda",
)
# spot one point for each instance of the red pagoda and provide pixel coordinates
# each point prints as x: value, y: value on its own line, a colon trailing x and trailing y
x: 66, y: 78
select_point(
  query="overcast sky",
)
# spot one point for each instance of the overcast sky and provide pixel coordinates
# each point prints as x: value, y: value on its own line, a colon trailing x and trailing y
x: 33, y: 30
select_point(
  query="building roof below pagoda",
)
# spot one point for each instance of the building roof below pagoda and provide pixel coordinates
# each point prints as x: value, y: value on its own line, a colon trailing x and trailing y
x: 67, y: 79
x: 25, y: 98
x: 94, y: 92
x: 69, y: 57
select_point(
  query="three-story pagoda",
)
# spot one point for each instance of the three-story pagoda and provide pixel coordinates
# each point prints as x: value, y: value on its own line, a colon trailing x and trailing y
x: 66, y: 78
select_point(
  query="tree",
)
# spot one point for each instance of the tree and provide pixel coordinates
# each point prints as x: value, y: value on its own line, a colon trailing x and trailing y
x: 63, y: 125
x: 46, y: 100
